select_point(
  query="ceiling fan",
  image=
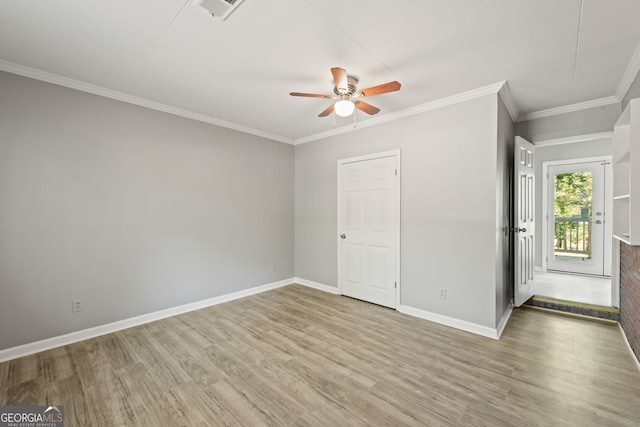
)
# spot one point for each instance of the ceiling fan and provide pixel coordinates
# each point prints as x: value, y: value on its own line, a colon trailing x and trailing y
x: 348, y: 96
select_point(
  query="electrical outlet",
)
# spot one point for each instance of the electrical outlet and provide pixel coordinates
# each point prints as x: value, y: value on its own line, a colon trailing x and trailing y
x: 443, y: 293
x: 76, y: 306
x: 274, y: 268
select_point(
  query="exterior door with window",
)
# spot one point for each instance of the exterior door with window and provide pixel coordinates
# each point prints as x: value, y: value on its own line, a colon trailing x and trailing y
x: 576, y: 218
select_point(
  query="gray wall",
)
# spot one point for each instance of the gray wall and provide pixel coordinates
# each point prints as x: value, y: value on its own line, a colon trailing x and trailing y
x: 633, y: 92
x: 576, y: 150
x: 504, y: 254
x: 130, y: 209
x: 448, y: 206
x: 592, y: 120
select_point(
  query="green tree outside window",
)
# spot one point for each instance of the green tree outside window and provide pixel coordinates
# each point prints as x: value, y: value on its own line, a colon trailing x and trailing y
x: 573, y: 195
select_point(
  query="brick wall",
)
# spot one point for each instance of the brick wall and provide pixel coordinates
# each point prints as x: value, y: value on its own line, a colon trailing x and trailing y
x: 630, y: 294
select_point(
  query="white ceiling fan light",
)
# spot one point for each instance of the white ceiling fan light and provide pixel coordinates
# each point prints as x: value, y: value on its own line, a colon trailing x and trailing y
x: 344, y: 107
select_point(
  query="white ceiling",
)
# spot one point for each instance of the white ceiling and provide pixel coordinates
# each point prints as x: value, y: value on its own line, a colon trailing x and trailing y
x: 552, y: 53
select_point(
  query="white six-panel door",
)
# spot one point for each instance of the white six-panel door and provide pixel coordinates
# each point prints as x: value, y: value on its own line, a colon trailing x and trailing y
x: 524, y: 224
x: 368, y: 228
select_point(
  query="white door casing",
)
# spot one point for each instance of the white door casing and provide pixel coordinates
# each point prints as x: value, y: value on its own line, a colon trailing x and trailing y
x: 369, y: 228
x: 608, y: 223
x: 524, y: 224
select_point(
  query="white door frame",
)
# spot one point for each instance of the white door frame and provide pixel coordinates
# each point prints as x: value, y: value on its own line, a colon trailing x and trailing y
x: 393, y: 153
x: 545, y: 206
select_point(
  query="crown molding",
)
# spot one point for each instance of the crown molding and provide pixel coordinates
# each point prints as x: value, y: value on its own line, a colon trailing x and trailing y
x: 509, y: 103
x: 56, y: 79
x: 429, y: 106
x: 572, y: 139
x: 602, y: 102
x: 629, y: 75
x: 501, y: 88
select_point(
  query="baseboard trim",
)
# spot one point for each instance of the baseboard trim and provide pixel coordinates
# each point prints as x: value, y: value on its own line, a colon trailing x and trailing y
x: 315, y: 285
x: 463, y: 325
x: 433, y: 317
x: 73, y: 337
x: 626, y: 340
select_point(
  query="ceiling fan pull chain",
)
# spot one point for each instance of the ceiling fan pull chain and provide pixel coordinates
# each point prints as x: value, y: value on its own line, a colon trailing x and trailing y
x: 354, y: 119
x: 334, y: 118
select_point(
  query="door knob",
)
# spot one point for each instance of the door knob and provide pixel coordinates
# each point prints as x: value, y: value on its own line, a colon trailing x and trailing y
x: 520, y: 230
x: 343, y: 236
x: 598, y: 221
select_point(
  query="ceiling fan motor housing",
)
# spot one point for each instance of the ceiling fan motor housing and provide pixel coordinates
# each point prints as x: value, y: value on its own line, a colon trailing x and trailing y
x: 352, y: 82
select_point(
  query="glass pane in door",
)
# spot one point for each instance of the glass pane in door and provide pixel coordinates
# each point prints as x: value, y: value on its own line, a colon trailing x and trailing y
x: 572, y: 216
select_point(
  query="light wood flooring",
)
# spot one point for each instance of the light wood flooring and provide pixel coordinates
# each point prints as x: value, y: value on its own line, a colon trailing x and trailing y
x: 297, y: 356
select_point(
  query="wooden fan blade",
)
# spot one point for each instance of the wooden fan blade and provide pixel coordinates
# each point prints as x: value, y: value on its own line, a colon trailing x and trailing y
x: 310, y: 95
x: 326, y: 112
x: 380, y: 89
x: 340, y: 78
x: 367, y: 108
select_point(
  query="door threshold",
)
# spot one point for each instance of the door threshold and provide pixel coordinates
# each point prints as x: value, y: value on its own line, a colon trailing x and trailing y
x: 572, y: 315
x: 576, y: 309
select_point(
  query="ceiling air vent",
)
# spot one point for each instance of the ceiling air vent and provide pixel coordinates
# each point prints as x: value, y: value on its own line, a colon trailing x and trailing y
x: 219, y: 8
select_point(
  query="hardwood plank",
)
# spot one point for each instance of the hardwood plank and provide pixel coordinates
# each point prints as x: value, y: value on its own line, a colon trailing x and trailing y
x: 499, y: 415
x: 471, y: 382
x: 189, y: 355
x: 139, y: 386
x: 296, y: 388
x: 24, y: 384
x: 379, y: 354
x: 239, y: 404
x: 298, y: 338
x: 350, y: 395
x: 115, y: 351
x: 28, y: 392
x: 277, y: 407
x: 158, y: 416
x: 104, y: 393
x: 4, y: 373
x: 57, y: 364
x: 149, y: 399
x: 164, y: 369
x: 424, y: 403
x: 250, y: 345
x: 199, y: 409
x: 24, y: 369
x: 69, y: 393
x: 565, y: 409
